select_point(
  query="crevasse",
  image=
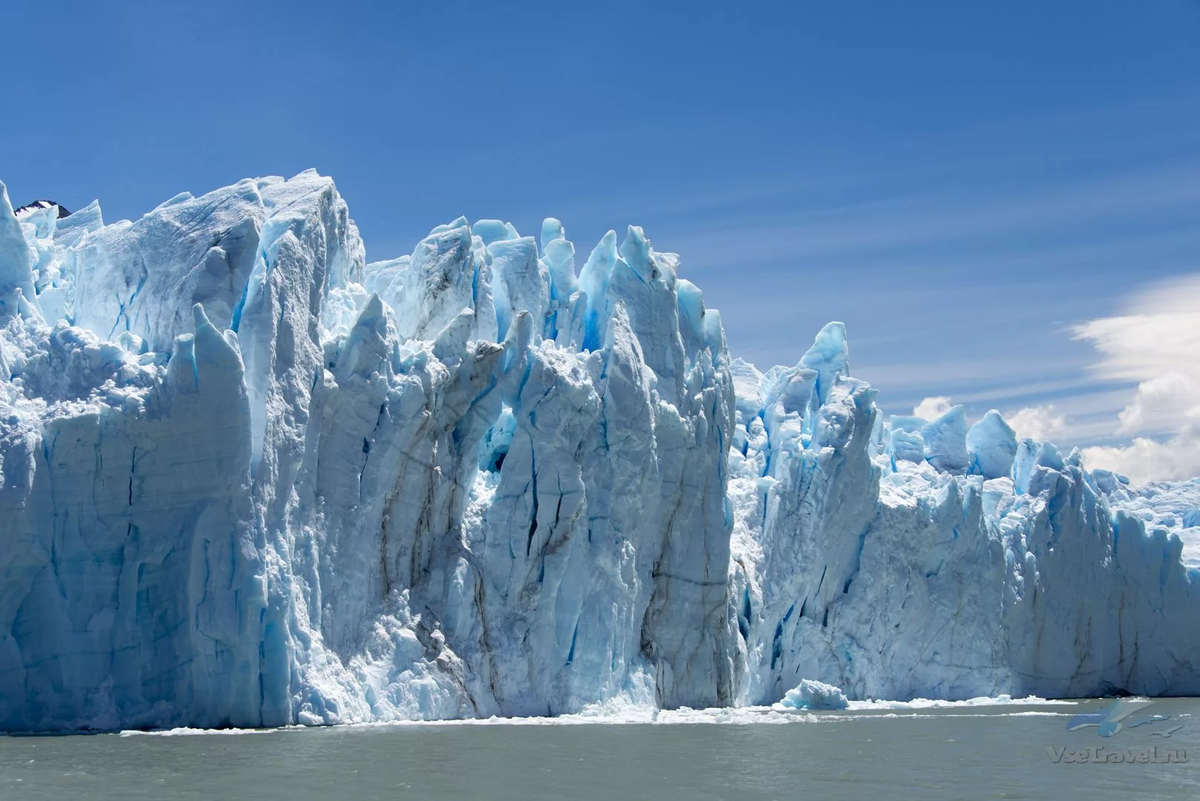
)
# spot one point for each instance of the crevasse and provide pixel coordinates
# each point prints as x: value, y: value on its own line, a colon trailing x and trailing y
x: 248, y: 479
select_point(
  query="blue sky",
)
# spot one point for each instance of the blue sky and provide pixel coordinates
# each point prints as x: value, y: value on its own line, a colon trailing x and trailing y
x: 961, y: 183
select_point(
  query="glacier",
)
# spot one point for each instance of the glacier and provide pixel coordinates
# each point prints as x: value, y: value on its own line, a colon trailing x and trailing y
x: 249, y: 479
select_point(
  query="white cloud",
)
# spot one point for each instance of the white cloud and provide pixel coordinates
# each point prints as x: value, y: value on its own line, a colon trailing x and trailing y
x: 1162, y: 400
x: 1159, y: 332
x: 1037, y: 422
x: 1157, y: 344
x: 1148, y: 460
x: 933, y: 408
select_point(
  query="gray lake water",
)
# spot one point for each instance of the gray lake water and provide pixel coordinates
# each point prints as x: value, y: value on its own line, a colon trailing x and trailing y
x: 1002, y: 751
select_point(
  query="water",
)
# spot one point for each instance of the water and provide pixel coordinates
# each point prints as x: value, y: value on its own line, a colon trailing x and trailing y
x: 963, y: 751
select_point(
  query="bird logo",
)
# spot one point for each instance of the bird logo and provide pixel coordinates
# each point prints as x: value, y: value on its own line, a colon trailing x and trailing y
x: 1113, y: 718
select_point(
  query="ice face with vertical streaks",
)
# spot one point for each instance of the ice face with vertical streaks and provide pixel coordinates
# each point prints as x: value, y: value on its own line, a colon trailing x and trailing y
x: 248, y: 478
x: 251, y: 480
x: 925, y: 558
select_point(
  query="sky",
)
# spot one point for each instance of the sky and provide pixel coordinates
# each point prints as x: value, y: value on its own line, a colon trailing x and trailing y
x: 1000, y: 200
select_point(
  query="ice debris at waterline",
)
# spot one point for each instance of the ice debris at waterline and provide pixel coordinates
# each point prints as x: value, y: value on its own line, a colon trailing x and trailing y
x: 250, y: 479
x: 809, y: 694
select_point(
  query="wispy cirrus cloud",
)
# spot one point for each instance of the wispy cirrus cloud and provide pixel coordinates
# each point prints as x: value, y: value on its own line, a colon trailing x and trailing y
x: 960, y: 215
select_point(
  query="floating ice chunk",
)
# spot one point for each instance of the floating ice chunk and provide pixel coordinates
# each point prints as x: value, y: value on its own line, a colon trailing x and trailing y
x: 809, y: 694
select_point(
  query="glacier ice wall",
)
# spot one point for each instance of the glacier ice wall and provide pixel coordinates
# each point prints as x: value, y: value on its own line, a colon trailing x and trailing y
x: 250, y: 480
x: 910, y: 558
x: 247, y: 478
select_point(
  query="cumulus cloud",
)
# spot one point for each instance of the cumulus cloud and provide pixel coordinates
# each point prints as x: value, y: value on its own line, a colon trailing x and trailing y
x: 933, y: 408
x: 1145, y: 459
x: 1156, y: 343
x: 1162, y: 401
x: 1037, y: 422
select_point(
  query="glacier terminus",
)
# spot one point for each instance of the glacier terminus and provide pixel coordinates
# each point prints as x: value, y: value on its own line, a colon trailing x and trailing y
x: 248, y: 478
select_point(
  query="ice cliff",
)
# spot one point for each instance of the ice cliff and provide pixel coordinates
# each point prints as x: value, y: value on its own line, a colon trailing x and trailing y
x: 247, y: 478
